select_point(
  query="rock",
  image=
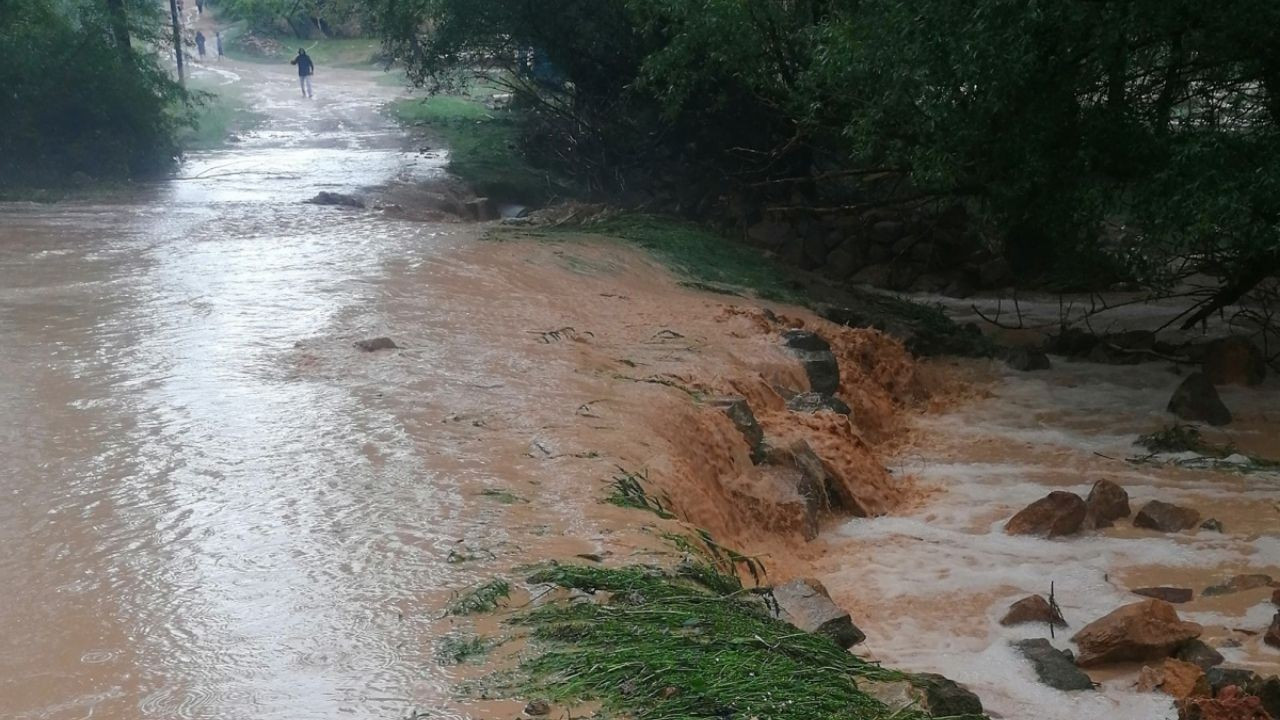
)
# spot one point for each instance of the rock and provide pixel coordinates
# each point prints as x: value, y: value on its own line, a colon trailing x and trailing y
x: 1197, y: 400
x: 812, y: 402
x: 805, y: 340
x: 897, y: 695
x: 841, y: 264
x: 1230, y: 704
x: 995, y: 273
x: 1199, y: 653
x: 1132, y: 340
x: 1212, y: 525
x: 1181, y: 680
x: 1106, y: 503
x: 1147, y: 630
x: 1222, y: 677
x: 960, y: 287
x: 822, y: 369
x: 739, y: 411
x: 1026, y: 359
x: 1053, y: 666
x: 1165, y: 517
x: 887, y: 232
x: 1072, y: 342
x: 1173, y: 595
x: 806, y: 604
x: 1058, y: 514
x: 376, y: 344
x: 339, y: 199
x: 1272, y: 637
x: 879, y: 275
x: 1269, y: 691
x: 80, y: 179
x: 537, y: 708
x: 1238, y: 583
x: 1032, y: 609
x: 1234, y: 360
x: 944, y: 698
x: 1275, y: 597
x: 769, y: 233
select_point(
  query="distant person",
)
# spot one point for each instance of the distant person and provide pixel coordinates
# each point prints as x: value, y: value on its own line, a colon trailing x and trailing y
x: 306, y: 69
x: 200, y: 43
x: 199, y: 7
x: 217, y: 42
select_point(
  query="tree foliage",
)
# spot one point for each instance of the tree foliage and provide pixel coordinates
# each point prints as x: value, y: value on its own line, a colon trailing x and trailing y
x: 1142, y: 131
x: 82, y: 96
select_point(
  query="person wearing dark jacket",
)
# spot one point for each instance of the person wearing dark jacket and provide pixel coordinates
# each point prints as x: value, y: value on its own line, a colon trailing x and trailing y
x: 306, y: 69
x: 200, y: 43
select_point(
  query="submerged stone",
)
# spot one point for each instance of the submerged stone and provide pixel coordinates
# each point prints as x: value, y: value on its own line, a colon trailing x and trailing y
x: 1196, y: 399
x: 1053, y: 666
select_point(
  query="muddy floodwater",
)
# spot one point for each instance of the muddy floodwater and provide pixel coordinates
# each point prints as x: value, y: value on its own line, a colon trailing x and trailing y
x: 213, y: 505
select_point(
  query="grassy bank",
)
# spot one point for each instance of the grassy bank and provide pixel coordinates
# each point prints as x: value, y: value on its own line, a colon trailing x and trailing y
x: 245, y: 46
x: 642, y: 642
x: 221, y: 111
x: 483, y: 146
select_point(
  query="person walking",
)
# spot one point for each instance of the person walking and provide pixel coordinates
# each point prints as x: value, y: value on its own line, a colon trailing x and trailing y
x: 306, y: 69
x: 200, y: 43
x: 199, y: 7
x: 217, y: 43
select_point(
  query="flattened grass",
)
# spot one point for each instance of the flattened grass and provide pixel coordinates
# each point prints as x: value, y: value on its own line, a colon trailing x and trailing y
x: 672, y: 646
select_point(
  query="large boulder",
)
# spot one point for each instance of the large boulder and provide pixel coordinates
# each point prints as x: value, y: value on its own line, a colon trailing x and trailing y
x: 1148, y: 630
x: 1166, y: 517
x: 805, y: 340
x: 1057, y: 514
x: 1222, y: 677
x: 1107, y: 502
x: 1053, y: 666
x: 1234, y: 360
x: 1269, y: 691
x: 822, y: 370
x: 806, y: 604
x: 1272, y: 637
x: 1174, y: 595
x: 946, y: 698
x: 1178, y: 679
x: 1197, y: 400
x: 1033, y: 609
x: 1239, y: 583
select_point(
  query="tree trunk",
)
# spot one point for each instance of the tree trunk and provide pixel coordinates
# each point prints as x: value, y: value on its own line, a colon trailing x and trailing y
x: 119, y: 24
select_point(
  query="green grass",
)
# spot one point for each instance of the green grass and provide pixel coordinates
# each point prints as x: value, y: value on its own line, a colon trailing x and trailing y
x: 459, y: 649
x: 356, y: 53
x: 702, y: 255
x: 220, y: 112
x: 484, y: 598
x: 658, y: 645
x: 1187, y: 439
x: 483, y: 146
x: 502, y: 496
x: 629, y: 492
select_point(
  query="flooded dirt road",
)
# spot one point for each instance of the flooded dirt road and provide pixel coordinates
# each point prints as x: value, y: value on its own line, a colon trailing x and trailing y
x: 214, y: 506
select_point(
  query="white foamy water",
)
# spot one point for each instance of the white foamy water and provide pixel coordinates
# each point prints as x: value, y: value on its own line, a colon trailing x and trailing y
x: 930, y: 587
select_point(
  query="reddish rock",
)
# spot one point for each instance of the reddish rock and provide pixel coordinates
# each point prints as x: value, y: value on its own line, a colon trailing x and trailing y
x: 1234, y: 361
x: 1033, y: 609
x: 1174, y: 595
x: 1231, y: 704
x: 1106, y: 503
x: 1148, y: 630
x: 1175, y: 678
x: 1057, y: 514
x: 1166, y: 517
x: 1272, y: 637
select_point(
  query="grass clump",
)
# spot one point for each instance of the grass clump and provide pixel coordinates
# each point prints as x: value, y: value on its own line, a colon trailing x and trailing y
x: 218, y: 113
x: 1187, y: 439
x: 629, y: 492
x: 483, y: 146
x: 670, y: 645
x: 460, y: 649
x: 505, y: 497
x: 482, y: 599
x: 708, y: 259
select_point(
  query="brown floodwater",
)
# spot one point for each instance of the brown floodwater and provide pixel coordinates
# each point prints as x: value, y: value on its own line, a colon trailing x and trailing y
x: 214, y: 506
